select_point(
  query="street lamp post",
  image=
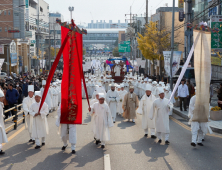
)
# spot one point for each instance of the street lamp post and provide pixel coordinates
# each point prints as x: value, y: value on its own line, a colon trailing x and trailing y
x: 71, y: 8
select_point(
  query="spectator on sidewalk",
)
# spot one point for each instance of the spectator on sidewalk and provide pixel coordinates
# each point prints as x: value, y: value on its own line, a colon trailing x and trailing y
x: 20, y: 99
x: 12, y: 97
x: 183, y: 94
x: 25, y: 88
x: 191, y: 92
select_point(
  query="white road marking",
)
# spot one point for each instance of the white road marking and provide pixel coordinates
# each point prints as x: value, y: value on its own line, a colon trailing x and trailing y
x: 107, y: 165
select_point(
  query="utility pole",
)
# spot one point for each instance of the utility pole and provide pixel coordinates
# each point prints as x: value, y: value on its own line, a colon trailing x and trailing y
x: 49, y: 47
x: 38, y: 32
x: 131, y: 26
x: 172, y: 47
x: 146, y: 65
x: 54, y: 41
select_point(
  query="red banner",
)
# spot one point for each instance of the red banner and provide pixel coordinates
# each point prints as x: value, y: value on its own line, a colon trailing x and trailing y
x: 71, y: 90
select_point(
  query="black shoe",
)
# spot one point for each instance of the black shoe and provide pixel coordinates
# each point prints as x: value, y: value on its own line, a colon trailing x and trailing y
x: 33, y: 141
x: 97, y: 142
x: 73, y: 151
x: 153, y: 136
x: 185, y: 110
x: 114, y: 122
x: 30, y: 140
x: 37, y: 147
x: 159, y: 141
x: 203, y: 140
x: 181, y: 110
x: 103, y: 146
x: 200, y: 144
x: 145, y: 135
x: 43, y: 144
x: 94, y: 138
x: 2, y: 153
x: 167, y: 142
x: 193, y: 144
x: 64, y: 147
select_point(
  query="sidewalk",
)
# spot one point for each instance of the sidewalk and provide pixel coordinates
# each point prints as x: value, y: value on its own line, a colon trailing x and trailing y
x: 216, y: 126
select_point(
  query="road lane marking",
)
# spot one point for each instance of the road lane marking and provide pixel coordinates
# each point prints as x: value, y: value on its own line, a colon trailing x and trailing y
x: 188, y: 128
x: 15, y: 134
x: 107, y: 165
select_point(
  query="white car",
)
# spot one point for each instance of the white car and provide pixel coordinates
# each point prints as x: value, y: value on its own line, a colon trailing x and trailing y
x: 3, y: 75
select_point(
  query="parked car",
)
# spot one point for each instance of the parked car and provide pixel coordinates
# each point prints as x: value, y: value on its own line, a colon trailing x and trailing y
x: 3, y: 75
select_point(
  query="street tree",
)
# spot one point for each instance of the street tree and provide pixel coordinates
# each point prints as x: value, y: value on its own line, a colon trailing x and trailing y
x: 116, y: 52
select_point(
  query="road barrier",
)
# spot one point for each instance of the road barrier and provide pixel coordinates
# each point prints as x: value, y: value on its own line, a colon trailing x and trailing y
x: 15, y: 117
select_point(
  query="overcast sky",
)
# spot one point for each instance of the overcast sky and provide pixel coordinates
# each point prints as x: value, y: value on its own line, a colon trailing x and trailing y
x: 87, y: 10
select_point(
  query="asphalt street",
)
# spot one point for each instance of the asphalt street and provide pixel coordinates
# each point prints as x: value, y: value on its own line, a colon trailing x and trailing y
x: 128, y: 149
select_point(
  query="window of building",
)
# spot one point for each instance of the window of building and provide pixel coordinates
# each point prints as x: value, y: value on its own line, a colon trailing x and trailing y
x: 9, y: 28
x: 5, y: 12
x: 41, y: 9
x: 0, y: 29
x: 9, y: 12
x: 6, y: 29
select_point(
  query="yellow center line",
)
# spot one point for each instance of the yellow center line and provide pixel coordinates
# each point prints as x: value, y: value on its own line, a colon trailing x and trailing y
x: 15, y: 134
x: 188, y: 128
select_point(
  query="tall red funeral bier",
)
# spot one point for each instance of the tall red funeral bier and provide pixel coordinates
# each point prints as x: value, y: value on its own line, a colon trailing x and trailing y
x: 71, y: 92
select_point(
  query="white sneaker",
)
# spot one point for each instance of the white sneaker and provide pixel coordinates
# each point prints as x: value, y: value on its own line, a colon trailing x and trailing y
x: 133, y: 121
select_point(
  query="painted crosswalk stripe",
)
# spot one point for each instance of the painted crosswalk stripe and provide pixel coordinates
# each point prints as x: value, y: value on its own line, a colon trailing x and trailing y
x: 107, y: 165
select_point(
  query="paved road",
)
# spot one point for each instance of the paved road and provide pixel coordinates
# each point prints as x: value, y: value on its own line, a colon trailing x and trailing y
x: 128, y: 149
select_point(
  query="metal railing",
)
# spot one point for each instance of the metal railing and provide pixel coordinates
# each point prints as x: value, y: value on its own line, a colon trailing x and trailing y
x: 15, y: 117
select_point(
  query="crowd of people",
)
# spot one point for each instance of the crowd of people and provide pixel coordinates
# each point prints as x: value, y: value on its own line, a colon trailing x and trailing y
x: 135, y: 95
x: 139, y: 95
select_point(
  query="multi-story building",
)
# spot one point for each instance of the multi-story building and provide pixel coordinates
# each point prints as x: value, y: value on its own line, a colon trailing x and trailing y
x: 104, y: 25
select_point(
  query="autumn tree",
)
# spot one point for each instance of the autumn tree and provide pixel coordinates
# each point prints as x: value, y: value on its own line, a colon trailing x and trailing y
x: 116, y: 52
x: 154, y: 42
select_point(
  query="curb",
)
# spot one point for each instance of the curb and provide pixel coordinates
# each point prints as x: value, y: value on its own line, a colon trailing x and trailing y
x: 187, y: 118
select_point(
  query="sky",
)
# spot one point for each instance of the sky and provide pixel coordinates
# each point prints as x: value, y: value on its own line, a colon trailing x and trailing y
x: 87, y: 10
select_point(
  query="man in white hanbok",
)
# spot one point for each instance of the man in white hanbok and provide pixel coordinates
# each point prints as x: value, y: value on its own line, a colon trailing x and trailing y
x: 67, y: 132
x: 198, y: 129
x: 99, y: 89
x: 40, y: 125
x: 144, y: 109
x: 167, y: 96
x: 102, y: 120
x: 122, y: 94
x: 3, y: 136
x: 160, y: 111
x: 48, y: 98
x: 117, y: 70
x: 112, y: 98
x: 27, y: 102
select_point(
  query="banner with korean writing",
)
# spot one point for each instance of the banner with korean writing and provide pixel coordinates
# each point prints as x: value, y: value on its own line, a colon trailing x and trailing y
x: 1, y: 49
x: 175, y: 62
x: 13, y: 57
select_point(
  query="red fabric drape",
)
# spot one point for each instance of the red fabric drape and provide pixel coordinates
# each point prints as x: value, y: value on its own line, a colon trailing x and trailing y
x: 71, y: 104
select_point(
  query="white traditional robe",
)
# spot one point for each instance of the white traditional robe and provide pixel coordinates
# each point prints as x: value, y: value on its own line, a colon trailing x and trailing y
x: 102, y: 121
x: 117, y: 70
x: 40, y: 125
x: 112, y: 98
x: 67, y: 131
x: 198, y: 129
x: 144, y: 109
x: 167, y: 96
x: 122, y: 94
x: 3, y: 136
x: 54, y: 93
x: 48, y: 98
x: 27, y: 102
x: 160, y: 109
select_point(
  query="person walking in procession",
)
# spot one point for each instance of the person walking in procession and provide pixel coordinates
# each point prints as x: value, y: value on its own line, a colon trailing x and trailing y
x: 27, y: 102
x: 160, y: 111
x: 144, y: 109
x: 3, y: 136
x: 40, y: 125
x: 112, y: 98
x: 130, y: 104
x: 102, y: 120
x: 67, y: 132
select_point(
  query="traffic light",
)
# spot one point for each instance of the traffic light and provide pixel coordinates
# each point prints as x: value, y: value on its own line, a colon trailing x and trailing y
x: 181, y: 16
